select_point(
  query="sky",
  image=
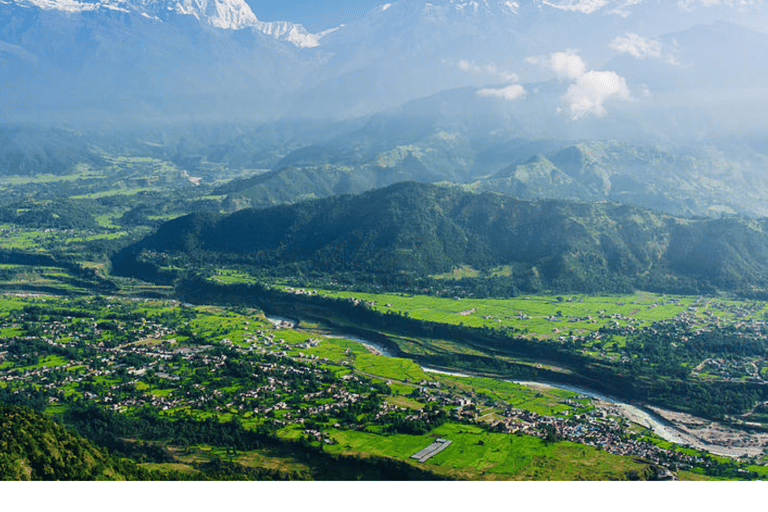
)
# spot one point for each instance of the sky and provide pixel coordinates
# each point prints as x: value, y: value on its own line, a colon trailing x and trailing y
x: 315, y: 16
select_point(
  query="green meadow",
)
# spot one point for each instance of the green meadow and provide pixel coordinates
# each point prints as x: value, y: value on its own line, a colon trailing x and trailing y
x: 477, y: 454
x: 546, y: 316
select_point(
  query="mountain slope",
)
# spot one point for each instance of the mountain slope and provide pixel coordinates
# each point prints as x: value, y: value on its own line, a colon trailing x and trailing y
x: 123, y: 63
x: 682, y: 181
x: 483, y: 145
x: 419, y: 230
x: 33, y: 447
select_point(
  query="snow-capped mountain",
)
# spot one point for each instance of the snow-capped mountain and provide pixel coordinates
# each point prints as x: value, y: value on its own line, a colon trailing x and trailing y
x: 223, y: 14
x: 573, y: 62
x: 407, y: 49
x: 65, y: 59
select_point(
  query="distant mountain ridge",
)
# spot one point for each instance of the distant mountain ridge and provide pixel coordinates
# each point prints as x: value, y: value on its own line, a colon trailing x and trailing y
x: 674, y: 181
x: 222, y: 14
x: 481, y: 147
x: 421, y: 230
x: 482, y: 93
x: 123, y: 63
x: 218, y: 59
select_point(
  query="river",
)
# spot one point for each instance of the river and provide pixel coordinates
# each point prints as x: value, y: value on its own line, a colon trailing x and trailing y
x: 637, y: 414
x: 373, y: 347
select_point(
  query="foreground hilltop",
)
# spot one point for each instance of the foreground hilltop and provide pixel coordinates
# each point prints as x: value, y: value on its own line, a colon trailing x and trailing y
x: 420, y: 230
x: 33, y: 447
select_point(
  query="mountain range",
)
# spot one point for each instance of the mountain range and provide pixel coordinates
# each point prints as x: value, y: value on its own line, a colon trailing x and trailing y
x: 483, y: 148
x: 658, y: 104
x: 417, y: 230
x: 141, y: 60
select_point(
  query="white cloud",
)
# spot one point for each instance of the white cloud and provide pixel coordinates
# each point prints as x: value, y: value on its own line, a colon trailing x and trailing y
x: 689, y: 5
x: 638, y: 46
x: 584, y: 6
x: 508, y: 93
x: 590, y: 91
x: 692, y: 4
x: 642, y: 48
x: 488, y: 69
x: 622, y: 9
x: 566, y: 65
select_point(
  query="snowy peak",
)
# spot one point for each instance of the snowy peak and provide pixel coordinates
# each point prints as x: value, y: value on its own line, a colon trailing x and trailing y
x: 621, y: 8
x: 292, y: 32
x: 590, y: 6
x: 225, y: 14
x: 61, y: 5
x: 474, y: 8
x: 222, y: 14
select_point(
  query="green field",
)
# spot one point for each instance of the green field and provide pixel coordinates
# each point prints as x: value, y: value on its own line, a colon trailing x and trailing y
x: 391, y: 368
x: 231, y: 364
x: 548, y: 316
x: 477, y: 454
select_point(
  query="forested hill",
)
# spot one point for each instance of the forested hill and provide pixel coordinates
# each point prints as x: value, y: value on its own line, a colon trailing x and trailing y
x: 33, y: 447
x: 422, y: 230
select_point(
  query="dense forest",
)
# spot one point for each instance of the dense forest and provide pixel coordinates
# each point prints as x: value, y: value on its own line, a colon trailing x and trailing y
x: 400, y: 234
x: 34, y: 447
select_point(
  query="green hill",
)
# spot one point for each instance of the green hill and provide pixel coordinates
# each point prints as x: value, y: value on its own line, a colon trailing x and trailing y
x: 683, y: 181
x: 442, y: 146
x: 423, y: 230
x: 33, y: 447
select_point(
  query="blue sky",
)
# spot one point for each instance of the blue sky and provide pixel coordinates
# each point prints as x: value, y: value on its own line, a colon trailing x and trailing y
x: 314, y: 15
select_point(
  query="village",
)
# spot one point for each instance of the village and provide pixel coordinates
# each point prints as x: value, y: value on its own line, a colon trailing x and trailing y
x: 129, y: 363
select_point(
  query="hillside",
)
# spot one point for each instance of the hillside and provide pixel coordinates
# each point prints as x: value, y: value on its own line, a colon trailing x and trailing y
x: 33, y: 447
x: 482, y: 144
x: 680, y: 182
x: 420, y: 230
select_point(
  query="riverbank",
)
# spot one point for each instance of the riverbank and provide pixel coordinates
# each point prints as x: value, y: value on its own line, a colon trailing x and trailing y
x: 678, y: 428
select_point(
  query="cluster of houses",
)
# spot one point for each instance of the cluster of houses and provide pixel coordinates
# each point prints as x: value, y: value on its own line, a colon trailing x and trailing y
x: 735, y: 369
x: 114, y: 379
x: 594, y: 427
x: 598, y: 425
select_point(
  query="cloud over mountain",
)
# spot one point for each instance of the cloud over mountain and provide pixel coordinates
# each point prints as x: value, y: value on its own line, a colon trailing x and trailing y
x: 590, y: 89
x: 642, y: 48
x: 566, y: 65
x: 166, y: 58
x: 509, y: 93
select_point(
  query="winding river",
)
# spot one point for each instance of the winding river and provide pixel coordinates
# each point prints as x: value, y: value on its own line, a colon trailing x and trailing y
x: 637, y: 414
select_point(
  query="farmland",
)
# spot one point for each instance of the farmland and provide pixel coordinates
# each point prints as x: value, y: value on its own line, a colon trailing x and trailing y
x: 162, y: 363
x: 550, y: 316
x: 215, y: 390
x: 604, y: 327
